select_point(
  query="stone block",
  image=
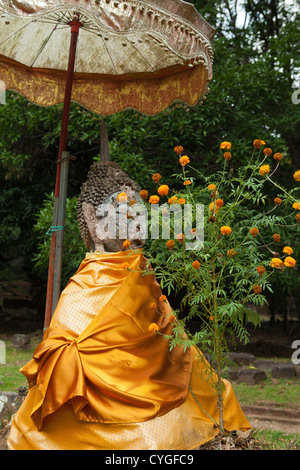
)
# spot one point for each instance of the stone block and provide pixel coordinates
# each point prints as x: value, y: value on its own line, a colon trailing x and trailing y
x: 8, y: 403
x: 21, y: 341
x: 251, y: 376
x: 241, y: 358
x: 283, y: 371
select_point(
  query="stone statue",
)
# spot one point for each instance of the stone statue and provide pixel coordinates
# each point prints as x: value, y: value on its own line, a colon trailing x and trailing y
x: 98, y: 209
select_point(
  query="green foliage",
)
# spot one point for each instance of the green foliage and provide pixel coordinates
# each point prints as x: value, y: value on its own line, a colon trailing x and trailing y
x: 74, y: 249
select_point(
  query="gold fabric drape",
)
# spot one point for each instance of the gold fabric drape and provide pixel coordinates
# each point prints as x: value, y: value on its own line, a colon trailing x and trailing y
x: 101, y: 380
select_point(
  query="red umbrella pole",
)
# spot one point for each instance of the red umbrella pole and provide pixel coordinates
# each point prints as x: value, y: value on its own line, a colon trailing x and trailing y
x: 75, y: 25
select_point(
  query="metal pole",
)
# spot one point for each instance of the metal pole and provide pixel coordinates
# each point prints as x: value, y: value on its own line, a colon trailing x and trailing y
x: 50, y: 306
x: 61, y: 215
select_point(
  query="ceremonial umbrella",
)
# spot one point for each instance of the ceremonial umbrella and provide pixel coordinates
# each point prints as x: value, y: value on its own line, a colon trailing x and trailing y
x: 137, y: 54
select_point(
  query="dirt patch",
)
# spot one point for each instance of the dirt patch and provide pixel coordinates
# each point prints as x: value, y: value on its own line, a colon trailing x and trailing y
x: 274, y: 417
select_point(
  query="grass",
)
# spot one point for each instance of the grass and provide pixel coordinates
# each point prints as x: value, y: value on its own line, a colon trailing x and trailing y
x: 276, y: 440
x: 10, y: 376
x: 280, y: 391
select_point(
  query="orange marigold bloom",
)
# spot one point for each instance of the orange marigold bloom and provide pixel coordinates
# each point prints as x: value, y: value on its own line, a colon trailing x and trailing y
x: 257, y: 289
x: 267, y: 151
x: 154, y: 199
x: 258, y: 143
x: 172, y: 318
x: 212, y: 206
x: 156, y: 177
x: 288, y: 250
x: 254, y: 231
x: 225, y: 230
x: 180, y: 237
x: 211, y: 318
x: 264, y: 169
x: 153, y: 306
x: 297, y: 175
x: 187, y: 182
x: 196, y: 264
x: 276, y: 263
x: 277, y: 156
x: 163, y: 190
x: 144, y: 194
x: 290, y: 262
x: 122, y: 197
x: 225, y: 145
x: 181, y: 200
x: 170, y: 244
x: 184, y: 160
x: 126, y: 244
x: 125, y: 265
x: 297, y: 217
x: 178, y: 149
x: 276, y: 237
x: 219, y: 203
x: 227, y: 156
x: 261, y: 270
x: 231, y: 252
x: 212, y: 187
x: 296, y: 206
x: 163, y: 298
x: 153, y: 328
x: 172, y: 199
x: 277, y: 201
x: 132, y: 202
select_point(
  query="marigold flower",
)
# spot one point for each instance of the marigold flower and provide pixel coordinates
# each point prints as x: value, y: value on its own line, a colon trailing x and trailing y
x: 181, y: 200
x: 231, y: 252
x: 225, y: 230
x: 297, y: 175
x: 225, y: 145
x: 211, y: 318
x: 126, y: 244
x: 227, y: 156
x: 125, y: 265
x: 296, y: 206
x: 196, y: 264
x: 172, y: 199
x: 257, y: 289
x: 288, y: 250
x: 258, y: 143
x: 163, y: 298
x: 170, y: 244
x: 132, y: 202
x: 153, y: 306
x: 276, y: 237
x: 254, y: 231
x: 219, y: 203
x: 163, y: 190
x: 187, y: 182
x: 154, y: 199
x: 180, y: 237
x: 261, y: 270
x: 267, y: 151
x: 153, y: 328
x: 178, y: 149
x: 156, y: 177
x: 144, y: 194
x: 184, y: 160
x: 212, y: 187
x: 172, y: 318
x: 276, y: 263
x: 277, y: 157
x: 122, y: 197
x: 290, y: 262
x: 264, y: 169
x: 277, y: 201
x: 297, y: 217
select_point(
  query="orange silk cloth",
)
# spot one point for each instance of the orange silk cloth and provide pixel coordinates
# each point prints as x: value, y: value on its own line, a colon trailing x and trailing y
x: 108, y: 94
x: 111, y: 369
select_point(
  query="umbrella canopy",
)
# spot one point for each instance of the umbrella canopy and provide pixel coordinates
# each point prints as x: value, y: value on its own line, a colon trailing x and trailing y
x: 137, y: 54
x: 107, y: 55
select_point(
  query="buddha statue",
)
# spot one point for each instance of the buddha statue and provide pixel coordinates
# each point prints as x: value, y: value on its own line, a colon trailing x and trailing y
x: 99, y: 205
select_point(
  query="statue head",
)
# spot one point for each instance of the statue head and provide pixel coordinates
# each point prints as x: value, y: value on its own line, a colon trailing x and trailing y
x: 101, y: 204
